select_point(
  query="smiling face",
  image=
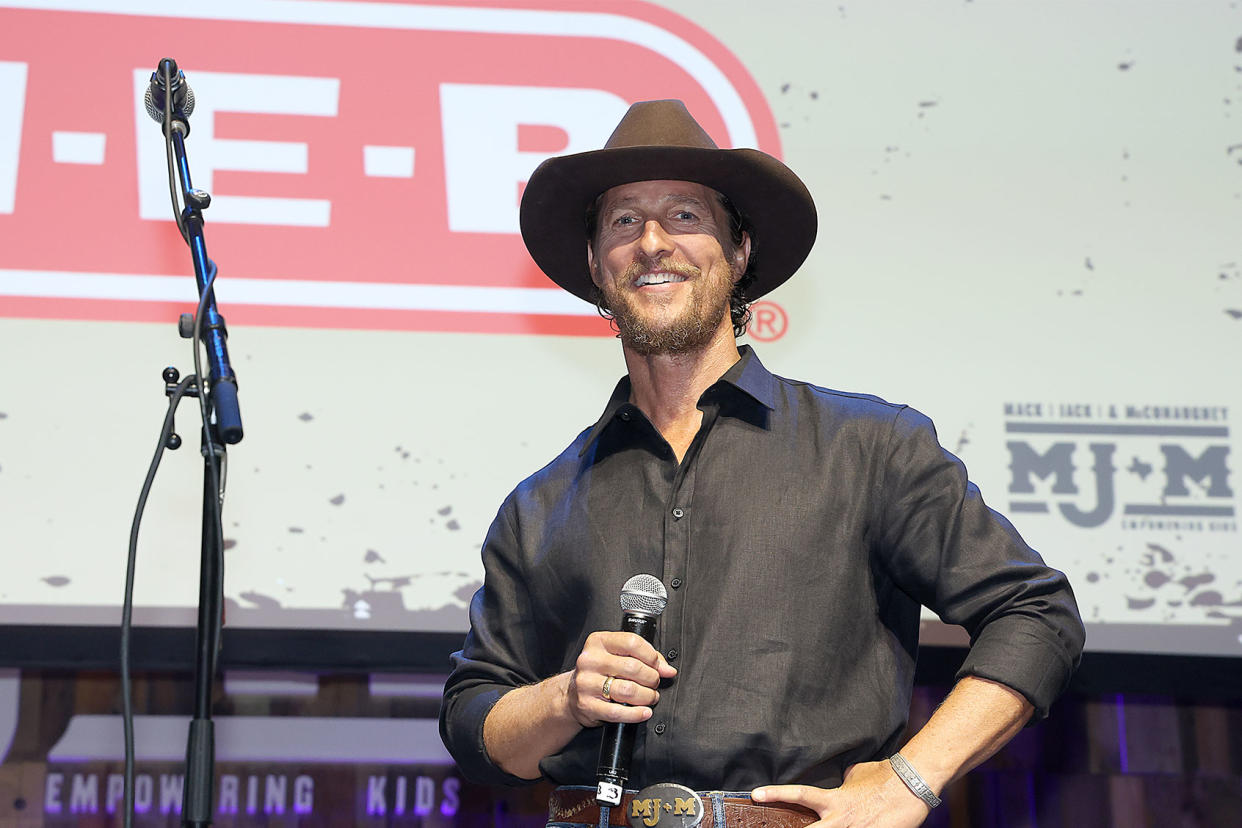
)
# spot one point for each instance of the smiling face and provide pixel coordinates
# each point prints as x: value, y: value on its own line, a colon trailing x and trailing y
x: 664, y: 262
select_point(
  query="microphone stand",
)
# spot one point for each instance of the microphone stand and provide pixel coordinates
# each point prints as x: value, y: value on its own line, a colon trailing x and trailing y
x: 221, y: 426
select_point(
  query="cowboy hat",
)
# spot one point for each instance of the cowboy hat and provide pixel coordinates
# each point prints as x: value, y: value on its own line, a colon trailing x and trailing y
x: 660, y: 140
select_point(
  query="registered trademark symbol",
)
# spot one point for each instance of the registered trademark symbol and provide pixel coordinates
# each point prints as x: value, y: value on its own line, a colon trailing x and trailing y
x: 768, y: 321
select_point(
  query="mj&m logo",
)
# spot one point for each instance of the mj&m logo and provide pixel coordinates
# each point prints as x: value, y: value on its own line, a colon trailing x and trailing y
x: 1157, y: 466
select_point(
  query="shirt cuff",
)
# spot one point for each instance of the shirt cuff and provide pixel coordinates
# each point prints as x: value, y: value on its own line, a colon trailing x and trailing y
x: 1026, y: 659
x: 461, y: 728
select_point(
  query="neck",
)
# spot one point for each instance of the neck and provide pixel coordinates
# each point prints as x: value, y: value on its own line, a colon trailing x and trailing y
x: 667, y: 387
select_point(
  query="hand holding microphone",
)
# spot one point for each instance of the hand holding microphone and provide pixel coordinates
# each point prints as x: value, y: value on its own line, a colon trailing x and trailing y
x: 533, y: 722
x: 629, y: 666
x: 629, y: 680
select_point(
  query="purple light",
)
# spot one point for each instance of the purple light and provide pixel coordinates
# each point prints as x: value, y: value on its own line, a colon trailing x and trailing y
x: 303, y: 795
x: 450, y: 788
x: 171, y: 788
x: 144, y: 792
x: 377, y: 800
x: 274, y: 794
x: 51, y: 793
x: 228, y: 793
x: 115, y: 792
x: 1122, y: 748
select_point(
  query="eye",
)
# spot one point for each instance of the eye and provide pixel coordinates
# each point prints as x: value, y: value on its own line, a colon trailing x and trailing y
x: 685, y: 215
x: 625, y: 220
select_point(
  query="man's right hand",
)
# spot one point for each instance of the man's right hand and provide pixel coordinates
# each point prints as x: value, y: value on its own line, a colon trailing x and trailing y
x: 636, y: 669
x: 532, y: 722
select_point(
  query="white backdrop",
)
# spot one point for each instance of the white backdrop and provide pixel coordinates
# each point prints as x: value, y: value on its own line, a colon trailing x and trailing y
x: 1028, y: 229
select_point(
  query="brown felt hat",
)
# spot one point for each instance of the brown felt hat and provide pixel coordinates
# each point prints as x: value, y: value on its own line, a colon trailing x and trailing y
x: 660, y: 140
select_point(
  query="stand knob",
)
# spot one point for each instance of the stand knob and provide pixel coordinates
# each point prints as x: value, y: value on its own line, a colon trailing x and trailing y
x: 200, y: 199
x: 185, y: 326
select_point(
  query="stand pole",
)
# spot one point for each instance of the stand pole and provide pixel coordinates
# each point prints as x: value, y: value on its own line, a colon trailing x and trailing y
x: 222, y: 425
x: 200, y: 754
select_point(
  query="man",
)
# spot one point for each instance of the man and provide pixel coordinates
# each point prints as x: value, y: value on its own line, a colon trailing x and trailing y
x: 798, y: 529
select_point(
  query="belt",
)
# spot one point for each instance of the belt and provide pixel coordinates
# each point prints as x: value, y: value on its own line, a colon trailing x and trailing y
x: 577, y: 805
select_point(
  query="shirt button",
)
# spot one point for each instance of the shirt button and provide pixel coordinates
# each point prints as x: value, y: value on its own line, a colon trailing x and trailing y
x: 678, y: 513
x: 675, y: 583
x: 660, y: 728
x: 624, y: 415
x: 672, y: 655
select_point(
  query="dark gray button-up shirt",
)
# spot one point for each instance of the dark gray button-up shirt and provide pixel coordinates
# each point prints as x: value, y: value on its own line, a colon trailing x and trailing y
x: 802, y: 531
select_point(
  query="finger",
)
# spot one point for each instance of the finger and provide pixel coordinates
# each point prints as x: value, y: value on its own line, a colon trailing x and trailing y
x: 803, y: 795
x: 630, y: 644
x: 604, y: 711
x: 635, y: 646
x: 600, y: 646
x: 628, y: 692
x: 589, y: 688
x: 637, y: 672
x: 621, y: 667
x: 590, y: 708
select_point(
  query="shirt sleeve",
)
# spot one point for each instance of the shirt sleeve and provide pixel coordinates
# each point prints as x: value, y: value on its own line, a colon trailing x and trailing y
x: 497, y: 656
x: 949, y: 551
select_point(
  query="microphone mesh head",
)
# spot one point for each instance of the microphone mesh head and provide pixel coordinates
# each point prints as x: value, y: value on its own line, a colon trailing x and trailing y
x: 644, y: 594
x: 155, y: 104
x: 153, y: 109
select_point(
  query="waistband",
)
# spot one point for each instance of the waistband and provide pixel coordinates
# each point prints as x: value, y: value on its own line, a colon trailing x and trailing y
x: 575, y: 805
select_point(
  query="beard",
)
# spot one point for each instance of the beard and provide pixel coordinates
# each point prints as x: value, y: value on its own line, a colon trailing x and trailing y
x: 650, y: 333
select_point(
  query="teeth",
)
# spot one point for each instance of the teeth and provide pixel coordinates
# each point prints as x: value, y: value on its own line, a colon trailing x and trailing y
x: 658, y: 279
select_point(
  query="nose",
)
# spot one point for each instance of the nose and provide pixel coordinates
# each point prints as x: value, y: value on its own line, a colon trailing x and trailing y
x: 655, y: 242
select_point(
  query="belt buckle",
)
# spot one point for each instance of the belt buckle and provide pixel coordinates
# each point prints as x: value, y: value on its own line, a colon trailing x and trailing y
x: 667, y: 805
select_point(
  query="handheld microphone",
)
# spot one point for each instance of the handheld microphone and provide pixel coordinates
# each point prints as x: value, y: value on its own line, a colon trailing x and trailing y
x: 643, y: 599
x: 182, y: 96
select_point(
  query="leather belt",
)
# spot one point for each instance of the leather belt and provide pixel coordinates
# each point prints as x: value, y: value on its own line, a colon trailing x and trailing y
x: 578, y: 805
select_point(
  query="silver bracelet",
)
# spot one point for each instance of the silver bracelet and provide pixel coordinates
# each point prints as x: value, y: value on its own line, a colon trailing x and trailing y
x: 913, y: 781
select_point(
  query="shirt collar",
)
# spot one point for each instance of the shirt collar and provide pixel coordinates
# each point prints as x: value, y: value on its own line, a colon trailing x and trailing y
x: 746, y: 375
x: 749, y: 375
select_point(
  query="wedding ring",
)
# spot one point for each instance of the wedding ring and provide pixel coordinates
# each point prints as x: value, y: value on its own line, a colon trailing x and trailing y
x: 608, y: 687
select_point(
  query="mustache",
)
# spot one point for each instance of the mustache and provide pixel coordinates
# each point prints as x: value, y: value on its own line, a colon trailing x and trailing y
x: 640, y: 266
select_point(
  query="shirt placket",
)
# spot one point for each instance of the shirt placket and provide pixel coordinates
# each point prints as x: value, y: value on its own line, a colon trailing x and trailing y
x: 663, y: 728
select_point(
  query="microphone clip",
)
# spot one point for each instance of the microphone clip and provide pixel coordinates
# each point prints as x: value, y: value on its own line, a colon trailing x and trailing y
x: 168, y: 93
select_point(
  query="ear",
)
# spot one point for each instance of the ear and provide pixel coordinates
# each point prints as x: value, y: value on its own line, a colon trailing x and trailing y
x: 741, y: 256
x: 591, y: 264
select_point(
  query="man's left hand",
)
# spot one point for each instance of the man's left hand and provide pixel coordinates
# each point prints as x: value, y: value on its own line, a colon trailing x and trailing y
x: 871, y: 795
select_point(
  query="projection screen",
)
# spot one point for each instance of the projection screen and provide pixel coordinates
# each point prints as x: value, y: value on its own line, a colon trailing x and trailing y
x: 1029, y: 230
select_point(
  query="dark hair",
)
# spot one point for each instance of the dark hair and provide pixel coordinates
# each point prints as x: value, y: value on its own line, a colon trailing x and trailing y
x: 739, y: 306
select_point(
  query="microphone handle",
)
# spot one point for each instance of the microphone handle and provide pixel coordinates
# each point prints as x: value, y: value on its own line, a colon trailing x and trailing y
x: 617, y: 742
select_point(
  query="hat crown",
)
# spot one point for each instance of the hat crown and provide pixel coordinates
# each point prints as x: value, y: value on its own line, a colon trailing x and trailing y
x: 659, y: 123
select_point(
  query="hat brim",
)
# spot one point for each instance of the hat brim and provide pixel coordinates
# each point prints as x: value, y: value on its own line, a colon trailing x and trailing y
x: 775, y: 203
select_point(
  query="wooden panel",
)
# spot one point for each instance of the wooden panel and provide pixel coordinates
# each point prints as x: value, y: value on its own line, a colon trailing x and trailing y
x: 1212, y: 727
x: 21, y: 794
x: 1153, y: 739
x: 1127, y: 801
